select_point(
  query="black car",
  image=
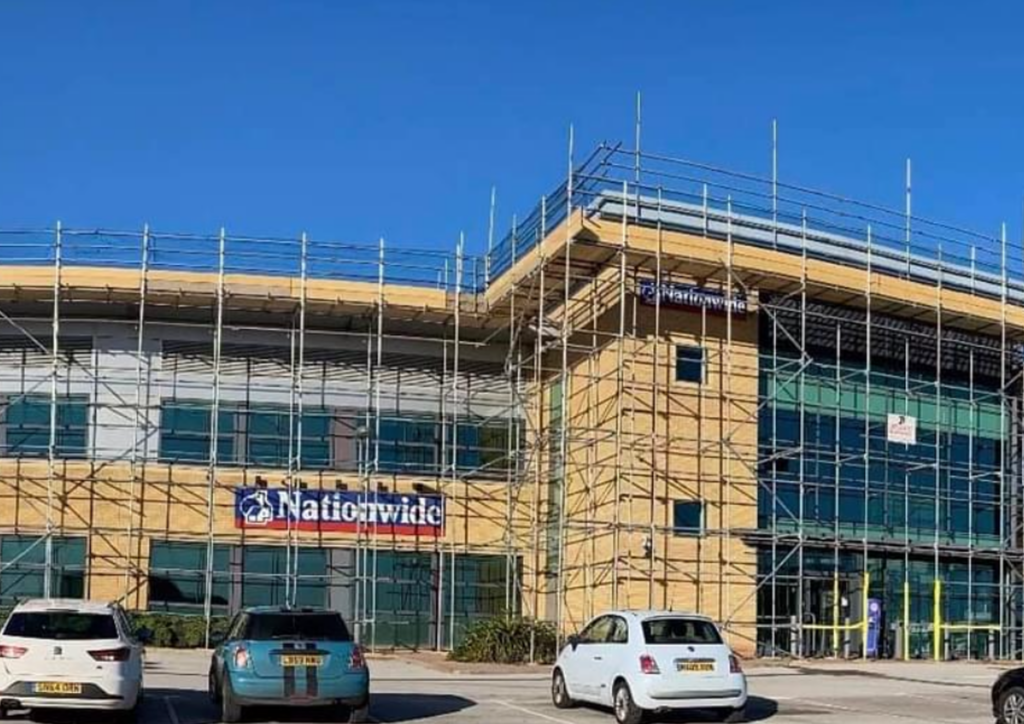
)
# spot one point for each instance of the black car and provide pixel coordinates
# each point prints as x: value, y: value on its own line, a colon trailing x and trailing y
x: 1008, y: 697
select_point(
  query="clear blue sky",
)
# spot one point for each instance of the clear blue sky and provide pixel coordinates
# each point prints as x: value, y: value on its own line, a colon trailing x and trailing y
x: 351, y: 120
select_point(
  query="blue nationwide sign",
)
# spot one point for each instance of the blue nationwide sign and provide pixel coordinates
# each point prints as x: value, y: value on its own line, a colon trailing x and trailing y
x: 691, y: 296
x: 339, y: 510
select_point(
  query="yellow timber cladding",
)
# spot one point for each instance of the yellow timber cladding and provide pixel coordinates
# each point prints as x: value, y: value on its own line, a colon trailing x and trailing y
x: 630, y: 402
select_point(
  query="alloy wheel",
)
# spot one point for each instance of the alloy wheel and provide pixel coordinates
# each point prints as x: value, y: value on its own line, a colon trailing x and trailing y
x: 1013, y: 708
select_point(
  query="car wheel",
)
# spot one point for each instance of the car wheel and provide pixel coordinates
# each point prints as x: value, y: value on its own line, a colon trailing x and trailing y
x: 560, y: 692
x: 626, y: 710
x: 230, y: 710
x: 359, y: 714
x: 1011, y: 706
x: 212, y: 687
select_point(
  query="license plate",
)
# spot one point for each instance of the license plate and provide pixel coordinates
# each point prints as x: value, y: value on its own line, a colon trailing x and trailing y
x: 57, y: 687
x: 695, y: 666
x: 290, y: 660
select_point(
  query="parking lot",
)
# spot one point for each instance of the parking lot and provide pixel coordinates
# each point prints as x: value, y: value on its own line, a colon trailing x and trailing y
x: 407, y: 691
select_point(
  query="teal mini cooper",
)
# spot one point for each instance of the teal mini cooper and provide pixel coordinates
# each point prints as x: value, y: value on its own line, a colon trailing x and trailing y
x: 276, y: 656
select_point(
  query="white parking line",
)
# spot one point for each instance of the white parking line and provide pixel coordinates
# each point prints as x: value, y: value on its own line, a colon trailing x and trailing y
x: 172, y: 715
x: 524, y: 710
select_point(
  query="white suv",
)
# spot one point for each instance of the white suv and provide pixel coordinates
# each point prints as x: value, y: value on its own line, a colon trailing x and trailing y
x: 637, y: 661
x: 70, y: 654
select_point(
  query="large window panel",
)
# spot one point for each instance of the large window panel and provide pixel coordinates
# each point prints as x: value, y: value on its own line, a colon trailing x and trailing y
x: 27, y: 426
x: 24, y: 568
x: 177, y: 577
x: 271, y: 443
x: 186, y: 437
x: 264, y: 571
x: 409, y: 445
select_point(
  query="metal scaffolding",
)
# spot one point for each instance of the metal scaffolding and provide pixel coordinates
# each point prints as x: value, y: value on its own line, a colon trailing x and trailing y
x: 658, y: 339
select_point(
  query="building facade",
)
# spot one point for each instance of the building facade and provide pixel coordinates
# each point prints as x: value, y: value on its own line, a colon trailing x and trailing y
x: 667, y: 387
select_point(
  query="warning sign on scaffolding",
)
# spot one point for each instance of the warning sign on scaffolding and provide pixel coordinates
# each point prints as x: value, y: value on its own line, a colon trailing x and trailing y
x: 902, y: 428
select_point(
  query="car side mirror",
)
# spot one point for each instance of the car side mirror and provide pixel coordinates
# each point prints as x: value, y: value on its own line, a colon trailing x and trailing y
x: 144, y: 635
x: 573, y: 641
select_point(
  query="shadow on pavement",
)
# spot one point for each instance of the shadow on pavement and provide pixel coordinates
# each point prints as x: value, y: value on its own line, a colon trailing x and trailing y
x: 758, y: 709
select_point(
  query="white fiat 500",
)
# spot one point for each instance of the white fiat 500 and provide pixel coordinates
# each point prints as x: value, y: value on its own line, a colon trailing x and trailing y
x: 639, y: 661
x: 69, y: 654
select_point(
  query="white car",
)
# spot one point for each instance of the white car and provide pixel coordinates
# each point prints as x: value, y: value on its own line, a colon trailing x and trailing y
x: 639, y: 661
x: 69, y: 654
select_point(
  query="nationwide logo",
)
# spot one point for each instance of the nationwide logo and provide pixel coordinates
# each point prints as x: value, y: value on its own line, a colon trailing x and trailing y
x: 694, y: 297
x: 324, y: 510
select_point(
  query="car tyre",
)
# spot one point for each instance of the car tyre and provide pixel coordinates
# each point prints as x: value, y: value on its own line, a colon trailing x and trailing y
x: 626, y: 710
x: 1011, y: 706
x: 230, y: 709
x: 560, y: 692
x: 212, y: 687
x: 359, y: 714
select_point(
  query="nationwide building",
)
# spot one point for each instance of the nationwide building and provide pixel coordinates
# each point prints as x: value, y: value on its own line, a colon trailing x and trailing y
x: 668, y: 386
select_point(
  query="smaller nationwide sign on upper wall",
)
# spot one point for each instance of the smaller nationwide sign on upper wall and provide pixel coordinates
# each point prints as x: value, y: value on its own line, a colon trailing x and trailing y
x: 691, y: 296
x: 337, y: 510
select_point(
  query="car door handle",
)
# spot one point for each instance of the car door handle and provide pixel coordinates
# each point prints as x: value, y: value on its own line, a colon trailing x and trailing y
x: 598, y: 658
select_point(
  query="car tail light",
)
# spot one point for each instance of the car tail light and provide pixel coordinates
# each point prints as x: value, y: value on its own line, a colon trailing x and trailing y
x: 241, y: 657
x: 111, y: 655
x: 648, y: 665
x: 12, y: 652
x: 735, y: 667
x: 356, y: 660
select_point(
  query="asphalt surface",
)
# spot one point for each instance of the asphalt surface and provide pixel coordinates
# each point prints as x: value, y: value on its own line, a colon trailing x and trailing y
x: 403, y: 691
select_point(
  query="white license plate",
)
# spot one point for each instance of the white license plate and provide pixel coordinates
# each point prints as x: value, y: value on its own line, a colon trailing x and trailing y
x: 695, y: 666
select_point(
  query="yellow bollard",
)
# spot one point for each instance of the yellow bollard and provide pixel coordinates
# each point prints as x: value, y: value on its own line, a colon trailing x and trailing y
x: 937, y: 621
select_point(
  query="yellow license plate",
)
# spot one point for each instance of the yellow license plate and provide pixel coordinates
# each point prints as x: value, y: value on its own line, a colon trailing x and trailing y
x: 696, y: 666
x: 291, y: 660
x: 57, y: 687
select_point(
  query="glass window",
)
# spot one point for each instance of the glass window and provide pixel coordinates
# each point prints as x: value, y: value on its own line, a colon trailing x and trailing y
x: 270, y: 443
x: 27, y: 426
x: 620, y: 631
x: 689, y: 363
x: 484, y: 446
x: 684, y: 631
x: 305, y: 626
x: 409, y: 445
x: 177, y: 577
x: 264, y: 576
x: 185, y: 434
x: 687, y: 517
x: 24, y: 568
x: 61, y: 626
x: 598, y: 631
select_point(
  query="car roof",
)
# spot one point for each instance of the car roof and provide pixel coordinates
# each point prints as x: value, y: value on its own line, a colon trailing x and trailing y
x: 285, y: 609
x: 64, y: 604
x: 645, y: 615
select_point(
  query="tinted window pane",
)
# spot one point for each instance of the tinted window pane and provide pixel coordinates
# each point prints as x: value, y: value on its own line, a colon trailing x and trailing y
x: 61, y: 625
x: 689, y: 364
x: 687, y: 517
x: 27, y: 421
x: 306, y: 626
x: 680, y: 631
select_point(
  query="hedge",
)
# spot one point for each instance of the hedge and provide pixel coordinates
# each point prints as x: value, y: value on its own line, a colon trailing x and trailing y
x: 507, y: 640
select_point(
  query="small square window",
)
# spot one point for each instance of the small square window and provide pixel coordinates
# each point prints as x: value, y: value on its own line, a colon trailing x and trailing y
x: 687, y: 517
x: 689, y: 364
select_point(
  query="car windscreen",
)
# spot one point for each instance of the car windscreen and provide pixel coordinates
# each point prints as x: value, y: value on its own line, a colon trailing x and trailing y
x: 61, y: 625
x: 680, y: 631
x: 304, y: 626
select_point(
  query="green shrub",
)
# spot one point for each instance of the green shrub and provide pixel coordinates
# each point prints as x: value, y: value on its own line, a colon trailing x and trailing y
x: 178, y: 631
x: 507, y: 641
